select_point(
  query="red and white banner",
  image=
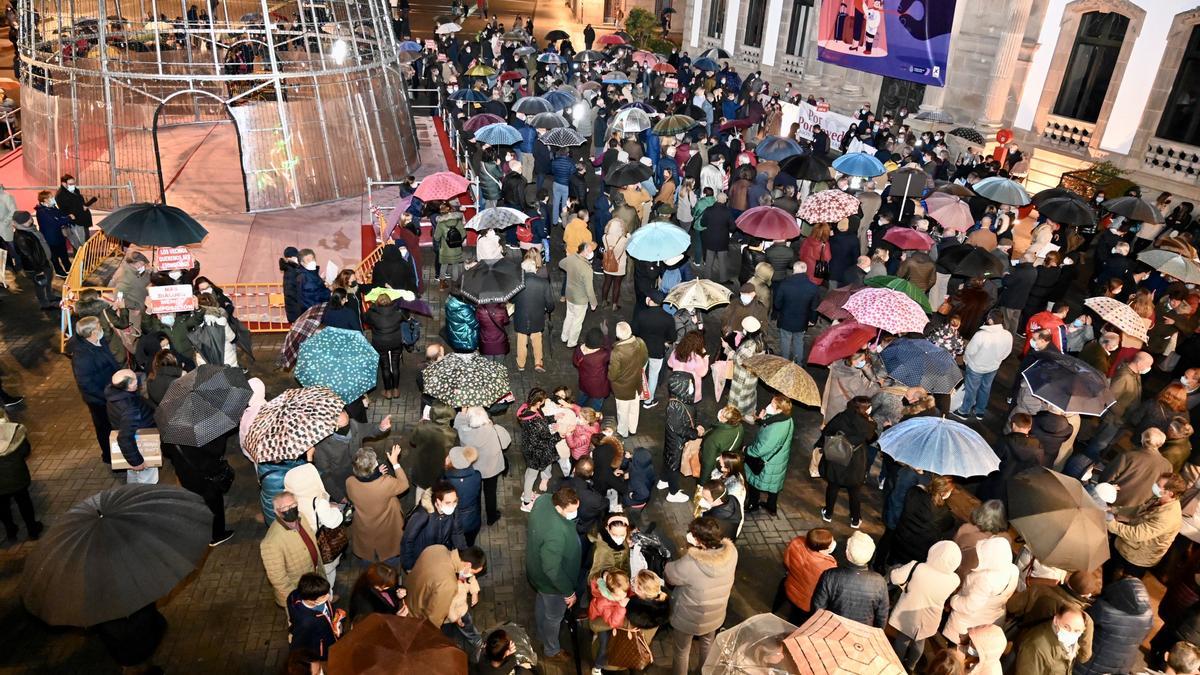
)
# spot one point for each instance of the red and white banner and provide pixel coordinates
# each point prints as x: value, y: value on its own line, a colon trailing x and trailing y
x: 173, y: 258
x: 834, y: 124
x: 170, y: 299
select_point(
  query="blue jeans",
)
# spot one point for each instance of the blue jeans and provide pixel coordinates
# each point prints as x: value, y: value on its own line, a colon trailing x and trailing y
x: 548, y: 613
x: 595, y: 403
x: 977, y: 387
x: 791, y: 345
x: 558, y: 202
x: 653, y: 368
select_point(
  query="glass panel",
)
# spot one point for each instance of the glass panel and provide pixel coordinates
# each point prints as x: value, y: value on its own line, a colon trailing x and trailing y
x: 1090, y: 69
x: 798, y: 26
x: 1178, y: 121
x: 755, y: 17
x: 716, y: 18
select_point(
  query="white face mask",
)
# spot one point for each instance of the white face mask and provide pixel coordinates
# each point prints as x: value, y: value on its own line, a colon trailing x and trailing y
x: 869, y: 412
x: 208, y: 290
x: 140, y: 270
x: 617, y: 538
x: 447, y: 510
x: 1067, y: 637
x: 691, y: 540
x: 175, y: 274
x: 746, y: 298
x: 771, y: 409
x: 1186, y: 384
x: 571, y: 515
x: 71, y: 188
x: 310, y: 265
x: 1156, y: 490
x: 167, y: 319
x: 971, y: 651
x: 705, y: 504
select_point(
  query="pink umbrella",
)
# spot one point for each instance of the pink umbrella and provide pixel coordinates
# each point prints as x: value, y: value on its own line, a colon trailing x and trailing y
x: 950, y: 211
x: 840, y: 341
x: 482, y: 120
x: 663, y: 68
x: 441, y: 185
x: 768, y: 222
x: 645, y: 58
x: 889, y: 310
x: 828, y: 206
x: 831, y: 306
x: 908, y: 239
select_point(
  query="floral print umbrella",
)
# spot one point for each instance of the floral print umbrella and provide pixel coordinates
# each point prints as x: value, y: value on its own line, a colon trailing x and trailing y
x: 291, y: 423
x: 1120, y: 315
x: 889, y: 310
x: 340, y: 359
x: 462, y: 382
x: 828, y: 206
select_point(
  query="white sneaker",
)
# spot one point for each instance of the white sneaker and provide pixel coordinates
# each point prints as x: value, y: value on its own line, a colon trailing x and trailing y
x: 597, y: 671
x: 678, y: 497
x: 662, y: 485
x: 526, y: 506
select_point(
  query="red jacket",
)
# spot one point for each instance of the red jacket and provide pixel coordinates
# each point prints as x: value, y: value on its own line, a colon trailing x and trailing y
x: 609, y: 611
x: 1045, y: 321
x: 493, y: 338
x: 593, y: 372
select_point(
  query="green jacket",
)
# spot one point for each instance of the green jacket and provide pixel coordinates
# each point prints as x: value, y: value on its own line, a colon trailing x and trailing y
x: 552, y: 551
x: 720, y: 438
x: 773, y: 445
x: 625, y: 365
x: 177, y: 332
x: 698, y: 210
x: 446, y: 221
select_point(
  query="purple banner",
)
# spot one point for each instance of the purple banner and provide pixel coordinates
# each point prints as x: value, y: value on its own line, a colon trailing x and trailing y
x: 905, y: 39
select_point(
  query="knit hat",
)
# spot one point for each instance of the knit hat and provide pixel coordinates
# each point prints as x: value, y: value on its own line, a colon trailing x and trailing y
x: 860, y: 548
x: 623, y: 331
x: 463, y: 457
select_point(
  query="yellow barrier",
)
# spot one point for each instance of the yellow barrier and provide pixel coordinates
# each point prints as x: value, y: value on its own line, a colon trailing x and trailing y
x: 364, y: 269
x: 259, y: 305
x: 97, y: 249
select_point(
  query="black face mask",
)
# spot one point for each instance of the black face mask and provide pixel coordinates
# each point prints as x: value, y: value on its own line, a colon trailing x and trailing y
x: 291, y: 515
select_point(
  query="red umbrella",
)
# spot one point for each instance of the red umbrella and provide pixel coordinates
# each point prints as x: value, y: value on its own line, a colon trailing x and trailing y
x: 840, y: 341
x: 441, y: 185
x: 510, y: 75
x: 831, y: 306
x: 741, y: 123
x: 611, y: 40
x: 663, y: 68
x: 768, y: 222
x: 908, y: 239
x: 645, y: 58
x: 482, y: 120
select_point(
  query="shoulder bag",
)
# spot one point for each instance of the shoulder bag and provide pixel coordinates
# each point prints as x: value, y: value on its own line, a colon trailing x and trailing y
x: 331, y: 541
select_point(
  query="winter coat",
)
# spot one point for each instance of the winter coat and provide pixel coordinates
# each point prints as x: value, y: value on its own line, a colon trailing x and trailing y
x: 580, y: 288
x: 795, y: 302
x: 592, y: 367
x: 656, y: 328
x: 751, y: 257
x: 1145, y: 532
x: 988, y: 348
x: 131, y: 286
x: 449, y: 255
x: 313, y: 290
x: 927, y: 586
x: 378, y: 524
x: 431, y: 440
x: 428, y: 527
x: 177, y: 333
x: 1016, y: 286
x: 334, y: 455
x: 607, y: 554
x: 804, y: 569
x: 773, y: 445
x: 681, y: 419
x: 615, y: 240
x: 625, y: 365
x: 111, y: 321
x: 843, y: 253
x: 385, y: 323
x: 462, y: 327
x: 552, y: 550
x: 305, y: 482
x: 844, y: 383
x: 51, y: 222
x: 642, y: 479
x: 922, y: 524
x: 433, y: 584
x: 396, y: 271
x: 919, y: 269
x: 854, y: 592
x: 490, y: 440
x: 604, y: 613
x: 1122, y: 617
x: 702, y: 581
x: 493, y: 338
x: 592, y: 504
x: 292, y: 306
x: 811, y: 251
x: 983, y: 596
x: 14, y: 471
x: 286, y: 558
x: 531, y: 305
x: 127, y: 413
x: 1134, y: 472
x: 859, y: 431
x: 989, y: 642
x: 1041, y: 652
x: 717, y: 222
x: 537, y: 441
x: 93, y: 367
x: 489, y: 181
x: 468, y: 483
x: 718, y: 438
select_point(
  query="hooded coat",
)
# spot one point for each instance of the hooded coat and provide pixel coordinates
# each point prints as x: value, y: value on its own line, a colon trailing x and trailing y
x: 984, y: 595
x: 681, y: 418
x: 773, y: 446
x: 642, y: 479
x: 927, y: 586
x: 1122, y: 617
x: 493, y: 336
x: 702, y: 581
x: 989, y: 643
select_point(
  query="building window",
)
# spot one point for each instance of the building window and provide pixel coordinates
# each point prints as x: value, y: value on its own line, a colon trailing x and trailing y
x: 798, y: 26
x: 755, y: 18
x: 716, y: 18
x: 1090, y: 69
x: 1179, y: 120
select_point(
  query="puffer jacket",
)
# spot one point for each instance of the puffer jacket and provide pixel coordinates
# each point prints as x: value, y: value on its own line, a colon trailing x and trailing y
x: 385, y: 323
x: 773, y: 445
x: 537, y: 441
x: 462, y: 327
x: 921, y: 525
x: 854, y: 592
x: 927, y: 586
x: 312, y: 288
x: 1123, y: 618
x: 804, y: 569
x: 449, y: 255
x: 127, y: 413
x: 641, y: 478
x: 681, y: 418
x: 703, y: 579
x: 426, y: 527
x: 493, y: 338
x: 983, y: 597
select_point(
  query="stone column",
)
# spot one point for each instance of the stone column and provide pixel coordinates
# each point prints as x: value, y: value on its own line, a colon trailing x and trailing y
x: 1004, y: 63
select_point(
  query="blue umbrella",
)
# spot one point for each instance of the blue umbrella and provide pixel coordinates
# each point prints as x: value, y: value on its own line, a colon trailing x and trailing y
x: 658, y: 241
x: 777, y: 148
x: 469, y: 95
x: 340, y: 359
x: 498, y: 134
x: 550, y: 57
x: 941, y: 446
x: 859, y: 164
x: 559, y: 100
x: 706, y: 64
x: 615, y: 77
x: 920, y: 363
x: 1002, y: 190
x: 410, y: 46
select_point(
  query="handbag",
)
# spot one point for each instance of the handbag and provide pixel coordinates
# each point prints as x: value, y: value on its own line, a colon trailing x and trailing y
x: 222, y: 480
x: 820, y: 265
x: 12, y: 435
x: 627, y: 649
x: 838, y: 450
x: 755, y: 464
x: 896, y: 590
x: 331, y: 541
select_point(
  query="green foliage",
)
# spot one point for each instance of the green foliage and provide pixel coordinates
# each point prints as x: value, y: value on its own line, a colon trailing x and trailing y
x: 1107, y: 169
x: 641, y: 26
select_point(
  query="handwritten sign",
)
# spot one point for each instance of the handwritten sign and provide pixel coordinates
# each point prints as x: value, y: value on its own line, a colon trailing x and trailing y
x: 170, y: 299
x: 173, y: 258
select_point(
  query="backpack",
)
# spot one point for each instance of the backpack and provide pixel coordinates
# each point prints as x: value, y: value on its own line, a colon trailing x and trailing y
x: 838, y: 450
x: 525, y: 233
x: 410, y: 333
x: 454, y: 237
x: 611, y: 263
x: 33, y: 256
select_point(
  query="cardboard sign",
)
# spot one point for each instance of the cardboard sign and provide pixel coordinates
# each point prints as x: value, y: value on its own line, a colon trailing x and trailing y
x: 822, y: 107
x: 431, y: 44
x: 671, y: 82
x: 173, y: 258
x: 170, y: 299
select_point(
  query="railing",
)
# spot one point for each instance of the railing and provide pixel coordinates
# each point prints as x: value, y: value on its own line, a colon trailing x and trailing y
x: 1068, y: 134
x: 95, y: 251
x: 364, y: 270
x: 1175, y: 160
x: 259, y: 305
x: 10, y: 128
x: 82, y: 188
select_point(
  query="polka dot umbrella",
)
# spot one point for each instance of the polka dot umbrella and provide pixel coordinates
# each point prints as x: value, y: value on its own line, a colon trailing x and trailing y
x: 340, y: 359
x: 202, y: 405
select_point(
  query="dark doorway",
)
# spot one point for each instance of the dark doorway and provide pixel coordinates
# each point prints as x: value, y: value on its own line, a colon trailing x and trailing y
x: 896, y: 94
x: 196, y: 141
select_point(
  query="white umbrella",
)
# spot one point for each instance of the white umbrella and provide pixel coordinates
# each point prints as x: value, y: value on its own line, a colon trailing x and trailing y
x: 448, y: 28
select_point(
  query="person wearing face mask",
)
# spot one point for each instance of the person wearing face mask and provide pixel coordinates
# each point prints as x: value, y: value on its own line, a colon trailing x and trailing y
x: 1099, y: 352
x: 377, y: 591
x: 71, y: 202
x: 53, y: 224
x: 316, y: 508
x: 1144, y: 532
x: 313, y: 623
x: 849, y: 377
x: 716, y: 502
x: 1051, y: 648
x: 435, y: 522
x: 310, y: 287
x: 767, y: 457
x: 442, y: 586
x: 580, y: 292
x: 552, y: 563
x: 807, y: 557
x: 132, y: 283
x: 1126, y: 388
x: 611, y: 546
x: 289, y: 549
x: 702, y: 577
x: 855, y: 426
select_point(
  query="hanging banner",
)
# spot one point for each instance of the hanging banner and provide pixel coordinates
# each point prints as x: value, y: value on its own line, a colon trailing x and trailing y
x: 904, y: 39
x: 809, y: 116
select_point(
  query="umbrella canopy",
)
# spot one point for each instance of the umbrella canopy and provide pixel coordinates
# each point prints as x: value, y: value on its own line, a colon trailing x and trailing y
x: 477, y: 122
x: 630, y: 121
x: 674, y: 124
x: 340, y: 359
x: 468, y: 96
x: 493, y: 281
x: 908, y: 239
x: 840, y: 341
x: 556, y: 35
x: 302, y: 328
x: 707, y: 64
x: 628, y: 173
x: 292, y: 422
x: 777, y: 148
x: 920, y: 363
x: 561, y: 100
x: 645, y: 58
x: 1133, y: 208
x: 550, y: 57
x: 114, y: 553
x: 615, y: 77
x: 1058, y: 519
x: 498, y: 134
x: 393, y: 293
x: 904, y: 286
x: 965, y: 260
x: 441, y: 186
x: 806, y: 167
x: 909, y: 182
x: 785, y: 377
x: 828, y: 206
x: 496, y: 218
x: 954, y: 189
x: 831, y: 304
x: 658, y: 241
x: 663, y: 68
x: 859, y: 164
x: 591, y: 56
x: 968, y: 134
x: 515, y: 35
x: 447, y: 28
x: 153, y: 225
x: 1068, y: 210
x: 460, y: 382
x: 548, y: 120
x: 386, y: 644
x: 611, y: 40
x: 410, y: 46
x: 939, y: 116
x: 532, y: 105
x: 202, y: 405
x: 1172, y: 264
x: 828, y: 644
x: 698, y: 294
x: 715, y: 53
x: 510, y: 75
x: 939, y: 445
x: 1068, y: 383
x: 565, y: 137
x: 640, y: 105
x: 890, y: 310
x: 768, y: 222
x: 1120, y: 315
x: 525, y: 50
x: 753, y: 646
x: 951, y: 212
x: 1002, y: 191
x: 480, y: 70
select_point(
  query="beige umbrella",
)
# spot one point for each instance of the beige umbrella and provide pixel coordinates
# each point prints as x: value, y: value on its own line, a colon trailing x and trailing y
x: 1121, y: 316
x: 785, y: 377
x: 828, y: 644
x: 698, y: 294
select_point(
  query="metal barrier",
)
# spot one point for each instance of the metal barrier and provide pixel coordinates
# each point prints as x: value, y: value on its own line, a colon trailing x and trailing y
x: 82, y: 188
x: 95, y: 251
x: 10, y: 128
x: 259, y: 305
x: 364, y: 270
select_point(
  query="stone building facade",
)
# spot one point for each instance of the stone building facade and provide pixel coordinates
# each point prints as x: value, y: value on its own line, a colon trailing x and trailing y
x: 1078, y: 81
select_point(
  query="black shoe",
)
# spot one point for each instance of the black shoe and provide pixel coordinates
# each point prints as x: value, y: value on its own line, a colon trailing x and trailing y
x: 966, y: 417
x: 826, y: 516
x: 8, y: 401
x: 224, y: 537
x: 751, y: 508
x: 35, y: 530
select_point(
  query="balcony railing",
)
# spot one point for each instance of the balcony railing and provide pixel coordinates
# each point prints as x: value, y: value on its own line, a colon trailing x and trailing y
x: 1067, y: 134
x: 1177, y: 161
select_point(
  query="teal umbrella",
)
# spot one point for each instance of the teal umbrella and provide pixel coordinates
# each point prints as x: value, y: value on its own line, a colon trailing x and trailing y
x: 340, y: 359
x: 658, y: 241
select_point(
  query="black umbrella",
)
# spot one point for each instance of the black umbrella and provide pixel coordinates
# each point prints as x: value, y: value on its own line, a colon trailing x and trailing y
x: 714, y: 53
x: 1068, y: 211
x: 909, y: 182
x: 1068, y: 383
x: 968, y: 134
x: 1059, y: 521
x: 532, y: 105
x: 591, y: 56
x: 1133, y: 208
x: 556, y: 35
x: 114, y: 553
x: 493, y: 281
x: 495, y: 108
x: 806, y: 167
x: 548, y: 120
x: 147, y: 224
x: 629, y: 173
x: 969, y: 261
x: 1054, y: 193
x: 202, y: 405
